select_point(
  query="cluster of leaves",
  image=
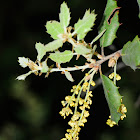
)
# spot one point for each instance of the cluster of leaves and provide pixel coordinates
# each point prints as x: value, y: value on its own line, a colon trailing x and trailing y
x: 61, y: 32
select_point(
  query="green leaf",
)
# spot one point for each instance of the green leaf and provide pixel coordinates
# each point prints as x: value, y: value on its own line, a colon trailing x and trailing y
x: 54, y: 28
x: 69, y: 76
x: 23, y: 76
x: 53, y: 45
x: 61, y: 57
x: 40, y: 50
x: 23, y: 62
x: 131, y: 53
x: 64, y: 15
x: 84, y: 25
x: 80, y: 49
x: 45, y: 68
x: 113, y: 98
x: 111, y: 28
x: 139, y: 7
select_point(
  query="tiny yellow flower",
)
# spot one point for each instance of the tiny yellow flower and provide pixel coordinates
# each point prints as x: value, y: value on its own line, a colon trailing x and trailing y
x: 77, y: 128
x: 110, y: 123
x: 82, y: 107
x: 63, y: 103
x: 68, y: 136
x: 123, y: 109
x: 67, y: 98
x: 76, y: 92
x: 65, y: 112
x: 72, y: 104
x: 86, y: 105
x: 123, y: 116
x: 77, y: 138
x: 84, y: 120
x: 81, y: 123
x: 72, y: 123
x: 85, y: 84
x: 89, y: 101
x: 111, y: 76
x: 76, y: 116
x: 86, y: 74
x: 81, y: 101
x: 74, y: 87
x: 118, y: 77
x: 86, y: 113
x: 71, y: 90
x: 69, y: 130
x: 93, y: 83
x: 84, y: 89
x: 90, y: 94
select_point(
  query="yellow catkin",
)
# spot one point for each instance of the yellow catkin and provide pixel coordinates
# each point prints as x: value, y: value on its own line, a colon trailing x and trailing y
x: 79, y: 118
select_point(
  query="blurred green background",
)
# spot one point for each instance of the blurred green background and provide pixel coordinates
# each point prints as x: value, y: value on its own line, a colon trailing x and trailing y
x: 29, y: 110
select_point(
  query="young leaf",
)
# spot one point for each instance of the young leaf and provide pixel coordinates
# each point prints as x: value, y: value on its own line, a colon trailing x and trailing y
x: 110, y: 23
x: 97, y: 37
x: 61, y: 57
x: 23, y: 62
x: 113, y: 98
x: 131, y: 53
x: 69, y: 76
x: 23, y: 76
x: 40, y: 50
x: 53, y: 45
x: 45, y: 68
x: 54, y: 28
x: 84, y: 25
x: 80, y: 49
x: 64, y: 15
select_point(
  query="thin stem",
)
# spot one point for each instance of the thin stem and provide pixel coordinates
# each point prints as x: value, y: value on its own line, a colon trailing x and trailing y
x: 99, y: 62
x: 102, y: 52
x: 120, y: 66
x: 115, y: 73
x: 94, y: 48
x: 78, y: 97
x: 70, y: 68
x: 73, y: 33
x: 108, y: 57
x: 70, y: 40
x: 87, y: 94
x: 81, y: 91
x: 85, y: 98
x: 75, y: 91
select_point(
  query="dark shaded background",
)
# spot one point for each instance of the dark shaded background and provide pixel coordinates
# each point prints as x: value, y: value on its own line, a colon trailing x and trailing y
x: 29, y: 110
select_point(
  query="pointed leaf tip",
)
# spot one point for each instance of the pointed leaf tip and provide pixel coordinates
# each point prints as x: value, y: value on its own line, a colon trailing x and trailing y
x: 23, y: 76
x: 69, y: 76
x: 64, y: 15
x: 40, y: 50
x: 84, y: 25
x: 113, y: 98
x: 110, y: 22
